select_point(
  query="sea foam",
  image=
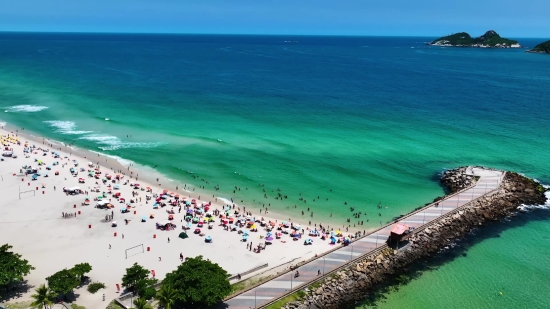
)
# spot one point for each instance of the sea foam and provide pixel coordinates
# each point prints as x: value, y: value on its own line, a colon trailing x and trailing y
x: 65, y: 127
x: 25, y: 108
x: 533, y: 207
x: 110, y: 142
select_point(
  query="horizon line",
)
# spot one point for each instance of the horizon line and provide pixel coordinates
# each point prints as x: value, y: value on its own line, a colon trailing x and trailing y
x: 228, y: 34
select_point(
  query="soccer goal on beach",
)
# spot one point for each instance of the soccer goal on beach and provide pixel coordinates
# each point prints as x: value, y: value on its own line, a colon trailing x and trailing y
x: 29, y: 193
x: 134, y: 250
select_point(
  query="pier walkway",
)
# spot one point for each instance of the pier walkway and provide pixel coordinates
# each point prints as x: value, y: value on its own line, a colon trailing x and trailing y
x: 277, y: 287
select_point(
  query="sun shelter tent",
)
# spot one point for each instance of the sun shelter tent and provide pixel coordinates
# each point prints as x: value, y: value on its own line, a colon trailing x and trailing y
x: 183, y: 235
x: 103, y: 204
x: 73, y: 190
x: 165, y: 225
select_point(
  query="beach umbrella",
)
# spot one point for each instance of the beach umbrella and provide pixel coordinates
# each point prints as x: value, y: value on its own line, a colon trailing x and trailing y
x: 268, y: 234
x: 245, y: 237
x: 245, y: 233
x: 208, y: 238
x: 152, y: 215
x: 189, y: 211
x: 269, y: 238
x: 253, y: 226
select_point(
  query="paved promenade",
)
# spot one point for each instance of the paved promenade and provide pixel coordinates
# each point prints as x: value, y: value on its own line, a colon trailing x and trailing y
x: 278, y: 286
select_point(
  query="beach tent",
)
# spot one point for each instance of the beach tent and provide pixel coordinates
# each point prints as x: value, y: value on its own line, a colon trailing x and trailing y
x: 183, y: 235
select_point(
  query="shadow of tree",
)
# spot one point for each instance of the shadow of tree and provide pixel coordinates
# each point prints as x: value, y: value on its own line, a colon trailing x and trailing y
x: 15, y: 291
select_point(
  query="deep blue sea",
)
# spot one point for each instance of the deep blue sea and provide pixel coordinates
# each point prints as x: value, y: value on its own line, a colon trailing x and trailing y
x: 321, y: 120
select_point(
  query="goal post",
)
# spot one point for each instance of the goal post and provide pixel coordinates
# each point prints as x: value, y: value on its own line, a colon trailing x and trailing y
x: 134, y: 250
x: 27, y: 193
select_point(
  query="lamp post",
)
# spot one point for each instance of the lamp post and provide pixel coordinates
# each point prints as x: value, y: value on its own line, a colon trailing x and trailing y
x: 324, y: 263
x: 291, y: 275
x: 255, y: 306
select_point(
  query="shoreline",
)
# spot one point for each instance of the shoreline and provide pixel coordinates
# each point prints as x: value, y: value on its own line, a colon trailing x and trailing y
x: 149, y: 175
x: 52, y: 242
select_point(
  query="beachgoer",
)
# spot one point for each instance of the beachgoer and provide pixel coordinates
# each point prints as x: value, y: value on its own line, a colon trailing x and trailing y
x: 168, y: 239
x: 109, y: 246
x: 160, y: 259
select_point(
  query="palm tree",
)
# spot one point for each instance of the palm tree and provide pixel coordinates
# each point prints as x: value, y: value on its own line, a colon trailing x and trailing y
x: 166, y: 297
x: 43, y: 297
x: 141, y: 303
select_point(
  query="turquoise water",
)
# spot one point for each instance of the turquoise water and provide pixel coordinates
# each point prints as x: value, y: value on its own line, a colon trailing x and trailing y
x: 354, y: 120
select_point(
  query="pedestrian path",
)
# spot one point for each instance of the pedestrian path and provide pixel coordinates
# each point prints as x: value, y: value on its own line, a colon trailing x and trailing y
x: 285, y: 283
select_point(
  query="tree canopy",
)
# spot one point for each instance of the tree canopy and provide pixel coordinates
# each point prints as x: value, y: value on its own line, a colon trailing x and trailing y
x: 63, y: 282
x: 542, y: 48
x: 43, y: 298
x: 14, y: 268
x: 136, y: 279
x: 199, y: 283
x: 81, y: 269
x: 167, y: 296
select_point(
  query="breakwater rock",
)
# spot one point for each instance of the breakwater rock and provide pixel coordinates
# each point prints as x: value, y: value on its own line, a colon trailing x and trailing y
x: 350, y: 284
x: 457, y: 179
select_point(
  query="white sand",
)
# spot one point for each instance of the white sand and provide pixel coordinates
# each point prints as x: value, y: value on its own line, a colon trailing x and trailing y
x: 35, y: 228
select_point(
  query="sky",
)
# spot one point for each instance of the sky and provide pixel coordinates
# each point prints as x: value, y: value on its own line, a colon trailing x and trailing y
x: 510, y: 18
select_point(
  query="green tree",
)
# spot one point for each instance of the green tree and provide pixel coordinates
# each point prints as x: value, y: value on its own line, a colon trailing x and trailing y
x: 141, y: 303
x: 199, y: 283
x: 43, y: 298
x: 81, y: 269
x: 167, y: 296
x: 133, y: 276
x: 136, y: 279
x: 63, y: 282
x: 13, y: 267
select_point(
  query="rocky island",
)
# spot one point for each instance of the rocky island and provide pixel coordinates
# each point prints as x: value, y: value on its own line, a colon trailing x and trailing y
x: 490, y: 39
x: 542, y: 48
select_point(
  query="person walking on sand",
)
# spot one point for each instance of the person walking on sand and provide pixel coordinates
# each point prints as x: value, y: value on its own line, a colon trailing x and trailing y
x: 168, y: 239
x: 109, y: 246
x: 181, y: 256
x: 160, y: 259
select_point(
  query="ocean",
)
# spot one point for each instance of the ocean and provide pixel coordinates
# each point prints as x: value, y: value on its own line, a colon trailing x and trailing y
x: 309, y: 122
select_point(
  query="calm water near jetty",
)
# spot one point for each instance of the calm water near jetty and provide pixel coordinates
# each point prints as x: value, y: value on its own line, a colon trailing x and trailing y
x: 360, y: 120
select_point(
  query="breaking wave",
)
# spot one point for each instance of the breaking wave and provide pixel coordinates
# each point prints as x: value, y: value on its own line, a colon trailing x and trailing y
x: 25, y: 108
x: 110, y: 142
x: 65, y: 127
x: 546, y: 206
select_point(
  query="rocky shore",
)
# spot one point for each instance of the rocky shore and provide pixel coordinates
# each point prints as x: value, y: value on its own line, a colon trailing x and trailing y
x: 350, y: 285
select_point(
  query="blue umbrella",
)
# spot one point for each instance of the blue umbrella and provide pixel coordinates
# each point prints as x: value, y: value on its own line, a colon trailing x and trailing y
x: 245, y: 237
x: 245, y: 233
x: 208, y: 238
x: 117, y: 186
x: 143, y: 218
x: 268, y: 234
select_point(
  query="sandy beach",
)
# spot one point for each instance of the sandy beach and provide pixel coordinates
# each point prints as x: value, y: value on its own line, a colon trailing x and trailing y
x: 32, y: 221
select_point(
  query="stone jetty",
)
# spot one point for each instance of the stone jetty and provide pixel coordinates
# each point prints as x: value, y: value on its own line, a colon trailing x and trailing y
x: 351, y: 283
